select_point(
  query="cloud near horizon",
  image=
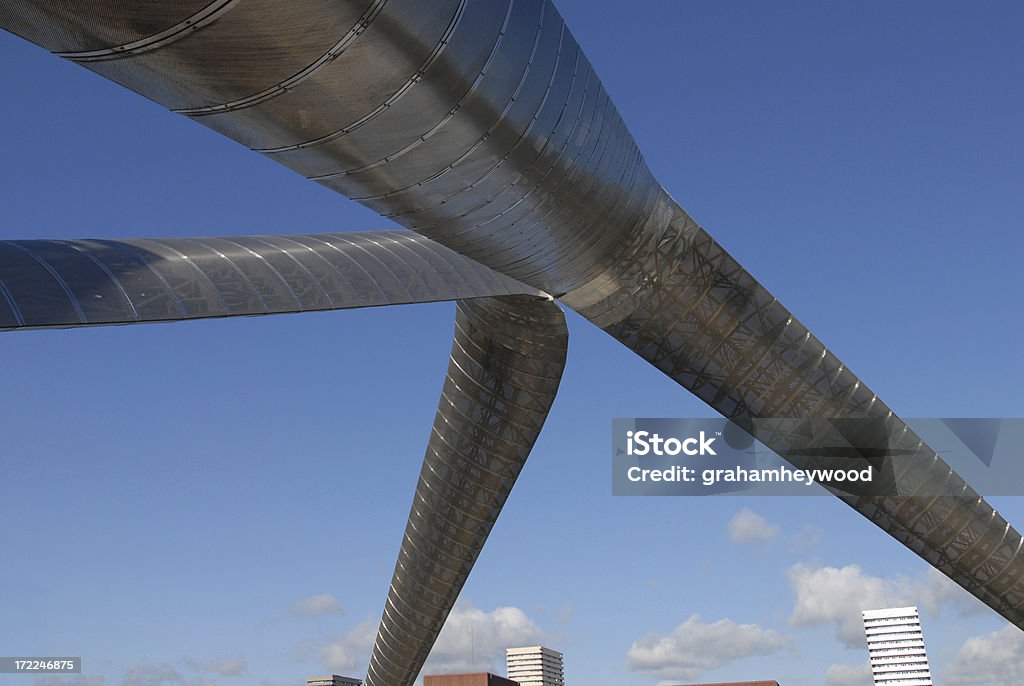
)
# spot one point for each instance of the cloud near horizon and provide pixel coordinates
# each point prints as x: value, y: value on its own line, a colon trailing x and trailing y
x: 695, y: 647
x: 474, y: 640
x: 471, y: 640
x: 994, y: 659
x: 849, y: 675
x: 152, y: 675
x: 69, y: 680
x: 837, y: 596
x: 229, y: 667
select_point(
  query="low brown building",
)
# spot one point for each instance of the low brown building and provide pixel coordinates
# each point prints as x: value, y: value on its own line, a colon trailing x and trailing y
x: 475, y: 679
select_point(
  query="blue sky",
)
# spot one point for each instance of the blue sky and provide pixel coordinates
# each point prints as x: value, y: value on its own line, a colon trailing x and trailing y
x: 178, y: 501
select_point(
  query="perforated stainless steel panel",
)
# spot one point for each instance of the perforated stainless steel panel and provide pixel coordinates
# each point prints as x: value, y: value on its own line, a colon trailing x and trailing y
x: 681, y: 302
x: 90, y: 282
x: 506, y: 364
x: 481, y: 125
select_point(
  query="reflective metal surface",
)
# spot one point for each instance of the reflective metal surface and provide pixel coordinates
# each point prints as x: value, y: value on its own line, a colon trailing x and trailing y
x: 506, y: 363
x: 90, y: 282
x: 478, y: 123
x: 685, y: 305
x: 481, y: 125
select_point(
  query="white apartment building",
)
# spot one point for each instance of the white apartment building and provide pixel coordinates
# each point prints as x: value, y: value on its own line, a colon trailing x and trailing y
x: 896, y: 647
x: 535, y: 666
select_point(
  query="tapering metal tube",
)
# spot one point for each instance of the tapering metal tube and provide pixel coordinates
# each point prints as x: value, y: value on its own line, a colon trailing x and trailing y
x: 506, y: 364
x: 681, y: 302
x: 481, y: 125
x: 128, y: 281
x: 477, y: 123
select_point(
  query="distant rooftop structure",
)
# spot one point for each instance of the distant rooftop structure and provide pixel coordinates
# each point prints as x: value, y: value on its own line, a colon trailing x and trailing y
x: 896, y: 647
x: 472, y: 679
x: 333, y: 680
x: 535, y: 666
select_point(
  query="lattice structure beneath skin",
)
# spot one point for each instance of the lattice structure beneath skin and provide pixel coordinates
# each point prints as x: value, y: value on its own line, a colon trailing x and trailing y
x: 681, y: 302
x: 95, y: 282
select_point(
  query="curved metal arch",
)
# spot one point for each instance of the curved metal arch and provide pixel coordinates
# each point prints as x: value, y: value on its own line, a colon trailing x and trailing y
x: 681, y: 302
x: 566, y: 205
x: 361, y: 24
x: 96, y: 282
x: 560, y: 197
x: 203, y: 17
x: 506, y: 363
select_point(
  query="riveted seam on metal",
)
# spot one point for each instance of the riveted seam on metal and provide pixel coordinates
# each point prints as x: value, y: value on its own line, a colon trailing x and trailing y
x: 57, y: 277
x: 422, y: 138
x: 333, y: 53
x: 469, y: 187
x: 9, y: 299
x: 485, y: 202
x: 118, y: 245
x: 110, y: 275
x: 263, y: 260
x: 392, y: 98
x: 523, y: 137
x: 173, y: 34
x: 341, y: 237
x: 237, y: 270
x: 202, y: 275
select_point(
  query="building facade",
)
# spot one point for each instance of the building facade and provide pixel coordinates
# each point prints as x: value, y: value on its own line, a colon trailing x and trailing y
x: 896, y: 647
x: 474, y: 679
x: 535, y: 666
x: 333, y: 680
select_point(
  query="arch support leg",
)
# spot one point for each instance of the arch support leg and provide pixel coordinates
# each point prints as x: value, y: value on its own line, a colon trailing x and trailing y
x: 506, y: 363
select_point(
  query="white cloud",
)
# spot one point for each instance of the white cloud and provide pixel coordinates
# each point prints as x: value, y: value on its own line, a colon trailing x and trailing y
x: 836, y: 596
x: 995, y: 659
x: 849, y: 675
x: 694, y: 647
x: 69, y: 680
x: 317, y: 605
x: 938, y: 590
x: 830, y: 595
x: 221, y: 666
x: 233, y: 667
x: 471, y: 640
x: 747, y: 526
x: 152, y: 675
x: 165, y: 674
x: 351, y: 650
x: 474, y: 640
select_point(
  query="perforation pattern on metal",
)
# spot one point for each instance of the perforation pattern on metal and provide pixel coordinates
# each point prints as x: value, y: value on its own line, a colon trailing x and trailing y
x: 93, y: 282
x: 481, y: 125
x: 681, y: 302
x: 505, y: 367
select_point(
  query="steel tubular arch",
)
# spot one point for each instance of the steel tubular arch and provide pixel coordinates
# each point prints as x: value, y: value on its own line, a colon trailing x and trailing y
x: 481, y: 126
x: 682, y: 303
x: 506, y: 364
x: 96, y: 282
